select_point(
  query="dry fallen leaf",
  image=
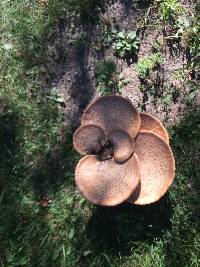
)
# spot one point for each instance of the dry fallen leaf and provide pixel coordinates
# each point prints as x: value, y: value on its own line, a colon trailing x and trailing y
x: 43, y: 2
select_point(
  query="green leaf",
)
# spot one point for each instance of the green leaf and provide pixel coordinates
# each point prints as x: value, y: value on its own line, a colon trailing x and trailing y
x: 58, y: 99
x: 86, y: 253
x: 134, y: 45
x: 128, y: 46
x: 132, y: 35
x: 27, y: 201
x: 71, y: 234
x: 167, y: 100
x: 120, y: 35
x: 119, y: 45
x: 68, y: 252
x: 191, y: 97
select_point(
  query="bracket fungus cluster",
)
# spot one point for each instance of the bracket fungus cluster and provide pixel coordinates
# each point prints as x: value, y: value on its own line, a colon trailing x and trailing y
x: 127, y: 154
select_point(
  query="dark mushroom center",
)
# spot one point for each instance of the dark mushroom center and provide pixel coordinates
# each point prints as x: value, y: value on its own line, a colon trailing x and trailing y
x: 117, y: 144
x: 106, y: 151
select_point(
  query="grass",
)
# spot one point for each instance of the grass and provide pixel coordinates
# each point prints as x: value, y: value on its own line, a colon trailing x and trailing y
x: 44, y: 221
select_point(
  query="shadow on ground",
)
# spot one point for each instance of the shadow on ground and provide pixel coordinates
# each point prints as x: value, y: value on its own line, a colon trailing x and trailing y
x: 117, y: 229
x: 9, y: 125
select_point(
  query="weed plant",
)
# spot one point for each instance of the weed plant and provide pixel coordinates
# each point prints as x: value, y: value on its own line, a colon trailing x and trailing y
x: 147, y: 64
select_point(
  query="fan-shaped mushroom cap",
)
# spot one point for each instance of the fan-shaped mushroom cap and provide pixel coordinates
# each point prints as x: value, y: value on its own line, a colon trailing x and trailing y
x: 122, y: 145
x: 87, y: 139
x: 113, y: 113
x: 157, y: 168
x: 150, y: 123
x: 105, y: 182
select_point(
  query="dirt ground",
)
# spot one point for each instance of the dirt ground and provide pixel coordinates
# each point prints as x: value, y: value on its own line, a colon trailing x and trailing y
x: 166, y: 95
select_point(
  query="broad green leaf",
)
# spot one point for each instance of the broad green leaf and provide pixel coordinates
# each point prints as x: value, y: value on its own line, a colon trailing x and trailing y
x: 132, y: 35
x: 120, y: 35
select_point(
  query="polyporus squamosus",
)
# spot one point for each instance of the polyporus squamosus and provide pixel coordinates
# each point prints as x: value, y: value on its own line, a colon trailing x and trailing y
x: 131, y: 160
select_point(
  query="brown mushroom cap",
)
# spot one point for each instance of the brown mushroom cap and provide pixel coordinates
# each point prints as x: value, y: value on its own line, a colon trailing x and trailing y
x: 150, y: 123
x: 122, y: 145
x: 113, y: 113
x: 157, y: 168
x: 87, y: 139
x: 105, y: 182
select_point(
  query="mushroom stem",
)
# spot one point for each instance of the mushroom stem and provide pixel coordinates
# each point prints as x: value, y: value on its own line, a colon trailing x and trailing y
x: 106, y: 153
x: 106, y: 150
x: 104, y: 142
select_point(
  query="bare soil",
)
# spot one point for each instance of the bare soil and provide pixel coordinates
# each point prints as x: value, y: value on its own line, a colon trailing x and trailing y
x: 165, y: 95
